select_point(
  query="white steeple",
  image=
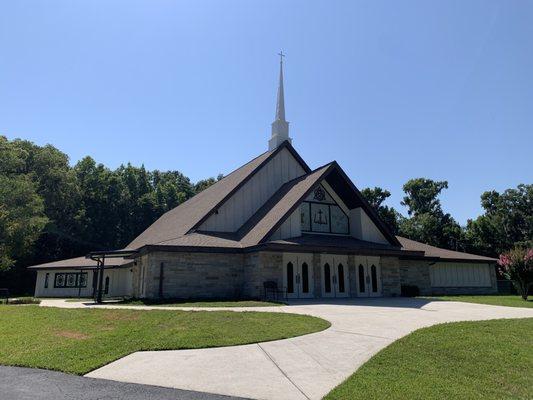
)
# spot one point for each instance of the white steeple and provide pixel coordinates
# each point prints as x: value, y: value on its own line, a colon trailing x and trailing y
x: 280, y: 127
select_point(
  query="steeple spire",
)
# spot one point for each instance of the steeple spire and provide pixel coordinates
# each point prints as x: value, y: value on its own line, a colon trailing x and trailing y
x: 280, y: 127
x: 280, y: 105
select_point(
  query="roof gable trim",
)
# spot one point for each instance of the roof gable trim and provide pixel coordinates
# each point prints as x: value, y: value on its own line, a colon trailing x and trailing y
x: 364, y: 205
x: 285, y: 145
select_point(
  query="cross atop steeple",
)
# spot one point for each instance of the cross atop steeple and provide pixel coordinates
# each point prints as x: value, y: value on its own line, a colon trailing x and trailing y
x: 280, y: 127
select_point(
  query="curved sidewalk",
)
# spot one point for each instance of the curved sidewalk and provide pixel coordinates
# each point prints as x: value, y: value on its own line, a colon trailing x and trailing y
x: 305, y: 367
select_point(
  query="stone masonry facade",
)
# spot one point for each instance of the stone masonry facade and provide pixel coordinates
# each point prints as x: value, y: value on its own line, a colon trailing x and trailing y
x: 227, y: 275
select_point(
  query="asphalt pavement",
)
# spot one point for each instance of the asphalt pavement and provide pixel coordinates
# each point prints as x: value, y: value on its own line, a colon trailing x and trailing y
x: 37, y: 384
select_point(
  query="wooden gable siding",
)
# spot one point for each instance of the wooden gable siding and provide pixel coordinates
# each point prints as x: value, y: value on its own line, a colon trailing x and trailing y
x: 362, y: 227
x: 253, y: 194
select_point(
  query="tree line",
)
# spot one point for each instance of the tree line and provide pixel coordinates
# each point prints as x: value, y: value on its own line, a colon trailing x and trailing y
x: 50, y: 210
x: 506, y: 222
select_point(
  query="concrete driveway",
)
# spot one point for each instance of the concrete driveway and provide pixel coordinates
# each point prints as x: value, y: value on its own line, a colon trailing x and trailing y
x: 306, y: 367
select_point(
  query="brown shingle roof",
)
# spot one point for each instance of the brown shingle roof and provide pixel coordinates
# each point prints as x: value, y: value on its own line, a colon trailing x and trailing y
x: 81, y: 262
x: 432, y: 251
x: 319, y: 242
x: 178, y: 221
x: 263, y: 222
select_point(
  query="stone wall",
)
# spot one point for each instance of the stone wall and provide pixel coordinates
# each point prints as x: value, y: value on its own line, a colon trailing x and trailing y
x: 390, y: 276
x: 416, y: 272
x: 259, y: 268
x: 194, y: 275
x: 225, y: 275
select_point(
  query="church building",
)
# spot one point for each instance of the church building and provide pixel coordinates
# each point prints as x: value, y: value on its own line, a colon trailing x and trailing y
x: 274, y: 226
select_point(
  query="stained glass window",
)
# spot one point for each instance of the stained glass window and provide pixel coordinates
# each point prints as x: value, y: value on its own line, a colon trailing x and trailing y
x: 70, y: 280
x: 341, y: 278
x: 290, y: 278
x: 305, y: 217
x: 339, y: 220
x: 305, y: 278
x: 361, y: 278
x: 319, y: 217
x: 319, y: 213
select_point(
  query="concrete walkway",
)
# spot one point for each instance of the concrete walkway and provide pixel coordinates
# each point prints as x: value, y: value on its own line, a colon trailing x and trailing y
x: 306, y: 367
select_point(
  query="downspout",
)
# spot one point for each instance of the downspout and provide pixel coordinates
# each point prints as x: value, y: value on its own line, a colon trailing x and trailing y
x: 161, y: 278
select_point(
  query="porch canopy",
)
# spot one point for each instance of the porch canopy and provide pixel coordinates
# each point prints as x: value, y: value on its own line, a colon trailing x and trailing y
x: 100, y: 257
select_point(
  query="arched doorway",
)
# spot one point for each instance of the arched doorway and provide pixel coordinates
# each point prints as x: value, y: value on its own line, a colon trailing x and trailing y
x: 334, y: 273
x: 298, y: 279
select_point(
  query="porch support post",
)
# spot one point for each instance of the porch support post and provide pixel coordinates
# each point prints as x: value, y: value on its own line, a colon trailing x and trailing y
x: 100, y: 279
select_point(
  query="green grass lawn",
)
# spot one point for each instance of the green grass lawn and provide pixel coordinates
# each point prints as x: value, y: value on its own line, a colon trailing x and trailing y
x: 80, y: 340
x: 189, y: 303
x: 462, y: 360
x: 495, y: 300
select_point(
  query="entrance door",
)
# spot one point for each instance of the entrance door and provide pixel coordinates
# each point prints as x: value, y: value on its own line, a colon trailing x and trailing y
x: 368, y: 271
x: 298, y: 275
x: 335, y: 276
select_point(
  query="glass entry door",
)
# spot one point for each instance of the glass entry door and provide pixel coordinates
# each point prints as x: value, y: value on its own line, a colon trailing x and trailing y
x: 368, y: 273
x: 334, y: 272
x: 298, y: 275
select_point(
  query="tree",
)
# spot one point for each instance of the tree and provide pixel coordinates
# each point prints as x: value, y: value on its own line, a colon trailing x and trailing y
x: 375, y: 197
x: 427, y: 222
x: 205, y: 183
x: 507, y: 221
x: 22, y: 218
x: 517, y: 266
x: 422, y: 195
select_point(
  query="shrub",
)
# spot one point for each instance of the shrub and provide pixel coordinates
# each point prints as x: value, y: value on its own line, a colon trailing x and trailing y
x: 410, y: 291
x: 24, y: 300
x: 517, y: 266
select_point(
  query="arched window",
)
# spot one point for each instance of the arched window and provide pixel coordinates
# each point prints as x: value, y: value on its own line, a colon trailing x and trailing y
x: 305, y: 278
x: 327, y: 278
x: 340, y: 269
x: 290, y: 278
x: 361, y: 278
x: 373, y: 272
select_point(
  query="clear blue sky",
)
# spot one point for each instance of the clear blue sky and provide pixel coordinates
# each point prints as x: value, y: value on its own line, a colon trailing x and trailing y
x: 391, y: 90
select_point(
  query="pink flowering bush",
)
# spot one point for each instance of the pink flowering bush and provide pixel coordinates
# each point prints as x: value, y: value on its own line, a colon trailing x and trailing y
x: 517, y: 266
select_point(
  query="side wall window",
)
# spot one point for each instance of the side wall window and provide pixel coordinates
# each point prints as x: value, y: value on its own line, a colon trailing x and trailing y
x: 46, y: 278
x: 70, y: 280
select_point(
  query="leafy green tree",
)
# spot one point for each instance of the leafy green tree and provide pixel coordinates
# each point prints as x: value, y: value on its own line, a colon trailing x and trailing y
x: 422, y: 195
x: 507, y: 221
x: 22, y: 218
x: 375, y: 197
x: 205, y: 183
x: 427, y: 222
